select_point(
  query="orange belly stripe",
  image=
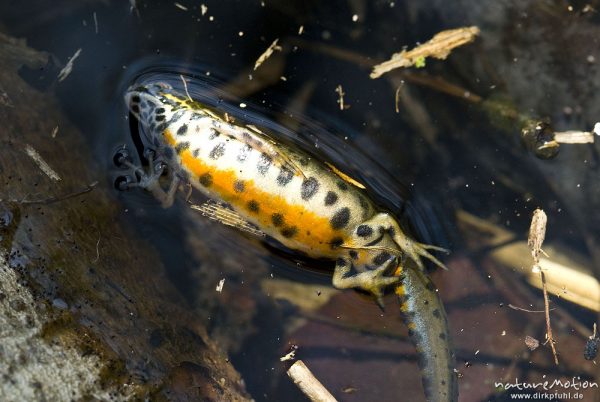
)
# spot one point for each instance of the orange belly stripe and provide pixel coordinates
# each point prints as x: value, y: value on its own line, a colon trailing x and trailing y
x: 312, y: 232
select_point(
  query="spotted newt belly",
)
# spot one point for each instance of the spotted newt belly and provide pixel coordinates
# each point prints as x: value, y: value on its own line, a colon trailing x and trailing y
x: 307, y: 205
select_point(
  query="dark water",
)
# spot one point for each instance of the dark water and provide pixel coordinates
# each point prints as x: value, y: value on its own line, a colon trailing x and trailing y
x: 438, y: 155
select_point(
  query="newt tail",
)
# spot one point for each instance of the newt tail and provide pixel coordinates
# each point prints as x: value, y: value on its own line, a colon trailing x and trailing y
x: 424, y: 314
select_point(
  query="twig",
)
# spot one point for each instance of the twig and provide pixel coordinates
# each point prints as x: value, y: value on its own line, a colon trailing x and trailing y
x: 267, y: 53
x: 537, y: 232
x: 54, y: 199
x: 185, y: 87
x: 308, y: 383
x: 341, y: 93
x: 64, y: 73
x: 397, y: 96
x: 439, y: 47
x: 42, y: 164
x: 95, y: 260
x: 525, y: 310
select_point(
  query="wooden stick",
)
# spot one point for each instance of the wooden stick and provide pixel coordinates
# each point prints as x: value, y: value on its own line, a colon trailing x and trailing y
x: 537, y: 233
x: 308, y: 383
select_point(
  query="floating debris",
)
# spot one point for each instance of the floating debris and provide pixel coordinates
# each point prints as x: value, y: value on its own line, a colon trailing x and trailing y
x: 291, y: 355
x: 539, y: 138
x: 532, y: 343
x: 341, y: 93
x: 203, y: 9
x: 180, y: 6
x: 397, y: 97
x: 42, y: 164
x: 537, y: 233
x: 95, y: 23
x: 220, y: 285
x: 227, y: 217
x: 267, y: 53
x: 439, y: 47
x: 54, y: 132
x: 64, y: 73
x: 301, y: 30
x: 574, y: 137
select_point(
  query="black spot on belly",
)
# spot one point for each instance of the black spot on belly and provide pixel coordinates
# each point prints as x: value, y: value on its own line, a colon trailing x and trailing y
x: 159, y: 117
x: 253, y: 206
x: 135, y: 108
x: 264, y: 163
x: 285, y: 176
x: 182, y: 130
x: 196, y: 152
x: 331, y: 198
x: 309, y: 188
x: 342, y: 186
x: 353, y: 254
x: 364, y: 231
x: 277, y: 219
x: 217, y: 151
x: 160, y: 110
x: 213, y: 134
x: 135, y: 98
x: 340, y: 262
x: 206, y: 179
x: 436, y: 313
x: 239, y: 186
x: 244, y: 153
x: 289, y: 231
x: 381, y: 258
x: 336, y: 242
x: 340, y: 219
x: 442, y: 336
x: 182, y: 146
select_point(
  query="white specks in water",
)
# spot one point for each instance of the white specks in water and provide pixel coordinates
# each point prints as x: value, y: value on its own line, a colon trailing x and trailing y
x: 301, y: 30
x: 180, y: 6
x: 241, y: 33
x: 243, y: 105
x: 95, y: 22
x: 354, y: 18
x: 203, y: 9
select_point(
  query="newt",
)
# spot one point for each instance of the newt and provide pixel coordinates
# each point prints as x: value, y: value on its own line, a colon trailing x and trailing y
x: 303, y: 203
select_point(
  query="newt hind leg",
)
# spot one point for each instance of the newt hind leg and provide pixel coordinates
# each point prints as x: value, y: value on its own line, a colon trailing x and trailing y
x: 373, y: 281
